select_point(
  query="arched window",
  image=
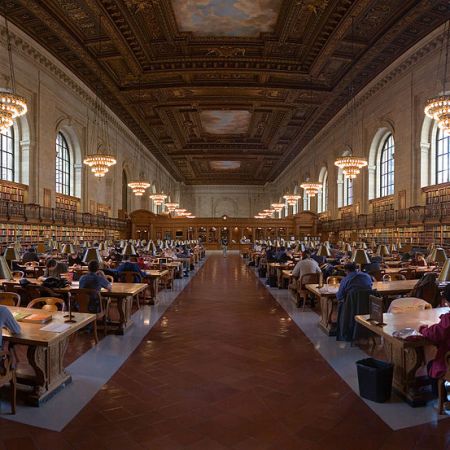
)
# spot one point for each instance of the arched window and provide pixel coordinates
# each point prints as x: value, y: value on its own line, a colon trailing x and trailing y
x: 442, y: 156
x: 322, y: 198
x: 63, y: 166
x: 348, y: 191
x: 124, y: 191
x: 387, y: 167
x: 306, y: 201
x: 7, y: 155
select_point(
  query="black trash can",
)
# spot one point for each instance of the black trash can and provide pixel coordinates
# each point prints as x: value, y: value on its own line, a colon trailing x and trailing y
x: 375, y: 379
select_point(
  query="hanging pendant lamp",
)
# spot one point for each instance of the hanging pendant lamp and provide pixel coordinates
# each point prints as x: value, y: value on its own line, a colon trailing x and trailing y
x: 312, y: 189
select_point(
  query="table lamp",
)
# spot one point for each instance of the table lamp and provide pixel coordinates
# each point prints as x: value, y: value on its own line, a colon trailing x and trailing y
x: 363, y: 245
x: 444, y: 276
x: 393, y: 248
x: 17, y: 246
x: 67, y: 249
x: 129, y: 250
x: 373, y: 244
x: 382, y: 250
x: 92, y: 254
x: 347, y: 247
x: 438, y: 256
x: 11, y: 254
x: 324, y: 251
x: 86, y: 244
x: 360, y: 257
x: 5, y: 271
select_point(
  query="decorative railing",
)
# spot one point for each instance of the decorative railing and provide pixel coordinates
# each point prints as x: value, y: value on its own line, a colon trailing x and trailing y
x: 32, y: 213
x: 415, y: 215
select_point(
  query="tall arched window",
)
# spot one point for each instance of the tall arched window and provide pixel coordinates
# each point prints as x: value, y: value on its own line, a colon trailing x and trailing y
x: 7, y: 155
x: 306, y: 202
x: 322, y: 198
x: 442, y: 156
x: 387, y: 167
x: 124, y: 191
x: 63, y: 166
x: 348, y: 191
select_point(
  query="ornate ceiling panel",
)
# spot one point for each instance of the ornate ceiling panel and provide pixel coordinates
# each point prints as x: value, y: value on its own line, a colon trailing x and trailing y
x: 226, y: 91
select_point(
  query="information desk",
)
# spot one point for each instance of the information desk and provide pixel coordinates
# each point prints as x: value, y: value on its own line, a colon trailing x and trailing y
x: 45, y: 354
x: 407, y: 356
x: 328, y: 301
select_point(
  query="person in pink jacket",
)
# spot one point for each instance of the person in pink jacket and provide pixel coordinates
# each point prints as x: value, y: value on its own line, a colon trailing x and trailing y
x: 439, y: 335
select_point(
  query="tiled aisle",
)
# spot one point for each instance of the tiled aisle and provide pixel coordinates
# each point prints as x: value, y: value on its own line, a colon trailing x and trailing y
x: 225, y: 368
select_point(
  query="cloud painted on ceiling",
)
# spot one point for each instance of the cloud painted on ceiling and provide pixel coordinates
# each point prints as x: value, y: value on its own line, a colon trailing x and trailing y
x: 226, y: 17
x: 225, y: 165
x: 225, y: 122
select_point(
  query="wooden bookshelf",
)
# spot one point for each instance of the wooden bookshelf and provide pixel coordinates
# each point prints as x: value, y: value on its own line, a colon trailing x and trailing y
x: 103, y: 210
x: 67, y: 202
x: 380, y: 205
x: 13, y: 192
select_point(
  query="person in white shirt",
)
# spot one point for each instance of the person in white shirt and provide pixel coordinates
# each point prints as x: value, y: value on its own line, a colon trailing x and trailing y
x: 304, y: 266
x: 7, y: 321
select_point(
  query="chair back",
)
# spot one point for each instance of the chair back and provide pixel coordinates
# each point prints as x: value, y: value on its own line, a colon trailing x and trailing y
x: 47, y: 303
x: 130, y: 277
x: 377, y: 275
x: 394, y: 277
x: 31, y: 264
x: 334, y: 279
x: 309, y: 278
x: 9, y: 299
x: 408, y: 304
x: 17, y: 274
x: 83, y: 298
x: 409, y: 274
x: 110, y: 278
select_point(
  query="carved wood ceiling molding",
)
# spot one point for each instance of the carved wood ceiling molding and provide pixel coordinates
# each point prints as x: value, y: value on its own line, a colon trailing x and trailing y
x: 251, y: 97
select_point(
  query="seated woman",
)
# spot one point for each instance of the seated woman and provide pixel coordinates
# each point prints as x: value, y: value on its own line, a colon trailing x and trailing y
x: 439, y: 335
x: 419, y: 260
x: 55, y: 268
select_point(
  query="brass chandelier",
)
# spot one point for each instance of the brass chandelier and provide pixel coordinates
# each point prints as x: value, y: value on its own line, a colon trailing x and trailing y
x: 172, y: 206
x: 351, y: 165
x: 438, y: 108
x: 11, y: 104
x: 312, y: 189
x: 277, y: 207
x: 139, y: 187
x: 292, y: 199
x: 158, y: 199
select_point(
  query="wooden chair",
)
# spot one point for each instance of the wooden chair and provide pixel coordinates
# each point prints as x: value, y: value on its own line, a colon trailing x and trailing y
x: 442, y: 390
x: 302, y: 292
x: 393, y: 277
x: 82, y: 298
x: 130, y: 277
x: 409, y: 274
x: 377, y: 275
x: 334, y: 279
x: 8, y: 375
x: 9, y: 299
x: 47, y: 303
x: 110, y: 278
x: 17, y: 274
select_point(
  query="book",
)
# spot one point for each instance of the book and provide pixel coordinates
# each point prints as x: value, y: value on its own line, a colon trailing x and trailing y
x: 56, y: 327
x: 37, y: 318
x: 19, y: 316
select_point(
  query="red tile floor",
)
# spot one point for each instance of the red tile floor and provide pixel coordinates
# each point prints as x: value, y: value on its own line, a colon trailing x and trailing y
x: 225, y: 368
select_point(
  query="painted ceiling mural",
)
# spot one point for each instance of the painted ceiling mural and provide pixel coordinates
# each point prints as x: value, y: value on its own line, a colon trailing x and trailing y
x: 226, y: 17
x: 225, y: 165
x: 225, y: 122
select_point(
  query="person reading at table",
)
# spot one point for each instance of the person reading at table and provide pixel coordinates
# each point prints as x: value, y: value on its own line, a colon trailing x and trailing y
x: 439, y: 335
x: 94, y: 279
x: 129, y: 265
x: 419, y: 260
x: 74, y: 259
x: 354, y: 280
x: 30, y: 255
x: 305, y: 265
x: 55, y: 269
x: 7, y: 321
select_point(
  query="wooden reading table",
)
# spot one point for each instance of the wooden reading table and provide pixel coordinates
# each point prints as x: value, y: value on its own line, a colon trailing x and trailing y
x: 328, y: 301
x: 45, y: 353
x: 407, y: 356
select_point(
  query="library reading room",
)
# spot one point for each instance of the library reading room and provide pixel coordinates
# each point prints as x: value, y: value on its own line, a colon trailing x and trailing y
x: 224, y: 224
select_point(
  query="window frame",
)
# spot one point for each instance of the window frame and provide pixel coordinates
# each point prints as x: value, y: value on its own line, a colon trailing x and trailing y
x: 444, y: 143
x: 63, y: 166
x: 7, y: 155
x: 387, y: 167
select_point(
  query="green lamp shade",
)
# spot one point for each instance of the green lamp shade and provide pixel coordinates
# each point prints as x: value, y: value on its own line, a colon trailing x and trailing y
x: 347, y: 248
x: 86, y: 244
x: 445, y: 272
x: 324, y: 251
x: 5, y: 271
x: 360, y: 257
x: 363, y: 245
x: 67, y: 249
x: 11, y: 254
x: 129, y: 250
x: 92, y: 254
x: 382, y: 250
x: 393, y: 248
x: 438, y: 255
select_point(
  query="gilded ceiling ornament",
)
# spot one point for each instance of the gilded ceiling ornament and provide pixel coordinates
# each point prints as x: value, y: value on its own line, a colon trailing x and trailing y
x: 137, y: 6
x: 225, y: 52
x: 314, y: 6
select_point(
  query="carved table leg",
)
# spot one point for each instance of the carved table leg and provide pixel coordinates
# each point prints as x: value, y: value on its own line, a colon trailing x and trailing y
x: 327, y: 311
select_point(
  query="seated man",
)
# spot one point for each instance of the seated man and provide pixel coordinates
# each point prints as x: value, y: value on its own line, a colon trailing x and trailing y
x: 354, y: 280
x: 94, y: 279
x: 305, y: 265
x: 129, y: 265
x: 30, y: 255
x: 7, y: 321
x: 55, y: 269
